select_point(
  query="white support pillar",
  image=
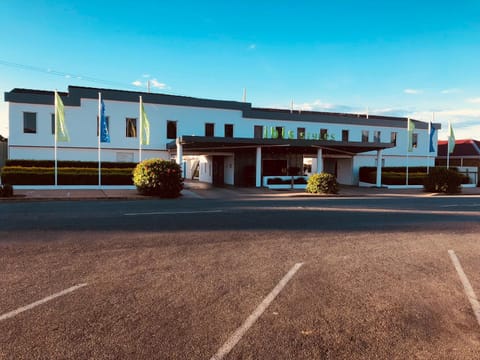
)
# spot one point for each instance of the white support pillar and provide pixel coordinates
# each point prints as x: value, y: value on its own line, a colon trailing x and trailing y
x: 258, y: 170
x: 180, y: 155
x: 319, y: 161
x: 379, y: 168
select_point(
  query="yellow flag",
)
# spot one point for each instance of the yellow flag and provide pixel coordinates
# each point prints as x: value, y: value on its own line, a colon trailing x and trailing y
x: 61, y: 132
x: 145, y: 131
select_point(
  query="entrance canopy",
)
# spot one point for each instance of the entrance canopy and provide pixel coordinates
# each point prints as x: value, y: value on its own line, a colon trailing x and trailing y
x: 213, y: 144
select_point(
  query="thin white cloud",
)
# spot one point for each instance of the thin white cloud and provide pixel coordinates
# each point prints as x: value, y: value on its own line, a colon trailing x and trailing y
x: 451, y: 91
x: 137, y: 83
x: 156, y: 84
x: 474, y: 100
x: 412, y: 91
x: 146, y: 75
x: 252, y: 46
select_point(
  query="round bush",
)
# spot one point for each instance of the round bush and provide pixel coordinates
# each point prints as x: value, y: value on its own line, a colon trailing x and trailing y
x: 158, y: 177
x: 323, y: 183
x: 443, y: 180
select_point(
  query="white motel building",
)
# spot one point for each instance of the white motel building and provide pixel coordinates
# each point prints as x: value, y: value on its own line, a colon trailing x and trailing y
x: 216, y: 141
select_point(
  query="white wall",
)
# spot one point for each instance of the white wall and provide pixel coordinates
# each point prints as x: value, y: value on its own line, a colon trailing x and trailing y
x: 205, y: 173
x: 229, y: 170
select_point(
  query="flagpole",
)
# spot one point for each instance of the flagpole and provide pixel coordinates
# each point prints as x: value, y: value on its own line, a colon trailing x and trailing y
x: 140, y: 137
x: 430, y: 124
x: 99, y: 136
x: 408, y: 149
x: 448, y: 146
x: 55, y: 137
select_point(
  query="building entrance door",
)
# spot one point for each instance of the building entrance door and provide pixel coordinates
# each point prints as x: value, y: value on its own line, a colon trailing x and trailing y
x: 218, y: 173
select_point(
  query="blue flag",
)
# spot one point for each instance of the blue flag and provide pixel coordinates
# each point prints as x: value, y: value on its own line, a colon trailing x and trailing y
x: 432, y: 133
x: 104, y: 134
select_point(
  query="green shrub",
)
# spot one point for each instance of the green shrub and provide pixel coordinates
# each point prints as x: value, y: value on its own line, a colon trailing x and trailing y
x: 443, y: 180
x: 323, y: 183
x: 159, y: 178
x: 6, y: 190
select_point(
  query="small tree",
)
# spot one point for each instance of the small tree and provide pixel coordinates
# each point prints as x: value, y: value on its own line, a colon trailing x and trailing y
x: 443, y: 180
x: 158, y: 177
x: 323, y: 183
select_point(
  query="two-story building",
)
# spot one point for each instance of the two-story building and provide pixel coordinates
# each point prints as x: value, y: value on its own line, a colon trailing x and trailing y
x: 220, y: 142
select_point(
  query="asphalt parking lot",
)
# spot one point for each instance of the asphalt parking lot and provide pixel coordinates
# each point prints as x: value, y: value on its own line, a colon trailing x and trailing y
x: 358, y: 294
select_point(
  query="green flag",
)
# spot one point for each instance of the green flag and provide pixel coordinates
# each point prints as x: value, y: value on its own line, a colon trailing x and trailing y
x: 451, y: 139
x: 145, y: 131
x: 61, y: 132
x: 411, y: 129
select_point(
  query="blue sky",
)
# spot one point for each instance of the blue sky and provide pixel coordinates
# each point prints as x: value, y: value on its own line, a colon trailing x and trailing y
x: 406, y: 58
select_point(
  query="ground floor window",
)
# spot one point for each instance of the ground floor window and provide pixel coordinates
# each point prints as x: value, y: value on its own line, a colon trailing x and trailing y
x: 131, y: 127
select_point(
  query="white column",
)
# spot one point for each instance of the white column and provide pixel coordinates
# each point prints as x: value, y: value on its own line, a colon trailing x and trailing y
x: 258, y: 170
x: 379, y: 168
x: 180, y: 155
x: 319, y: 161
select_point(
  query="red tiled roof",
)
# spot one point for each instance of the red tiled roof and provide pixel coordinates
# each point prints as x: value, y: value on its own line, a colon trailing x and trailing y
x: 463, y: 148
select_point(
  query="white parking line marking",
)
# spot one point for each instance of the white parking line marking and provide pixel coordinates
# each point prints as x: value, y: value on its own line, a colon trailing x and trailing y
x: 40, y: 302
x: 174, y: 212
x: 466, y: 285
x: 238, y: 334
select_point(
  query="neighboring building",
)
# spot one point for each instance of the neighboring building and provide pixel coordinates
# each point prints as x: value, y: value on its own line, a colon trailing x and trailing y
x: 465, y: 153
x: 3, y: 150
x: 221, y: 142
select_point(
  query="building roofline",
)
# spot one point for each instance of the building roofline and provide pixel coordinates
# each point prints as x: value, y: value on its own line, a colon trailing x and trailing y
x: 76, y: 93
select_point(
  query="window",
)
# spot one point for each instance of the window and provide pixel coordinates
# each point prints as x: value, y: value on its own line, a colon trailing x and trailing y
x: 258, y: 132
x: 393, y: 138
x: 344, y: 135
x: 30, y: 123
x: 323, y: 134
x: 414, y: 140
x: 107, y: 120
x: 209, y: 129
x: 53, y: 123
x: 131, y: 127
x: 229, y: 130
x: 376, y: 136
x: 300, y: 133
x: 364, y: 135
x: 171, y: 129
x: 280, y: 132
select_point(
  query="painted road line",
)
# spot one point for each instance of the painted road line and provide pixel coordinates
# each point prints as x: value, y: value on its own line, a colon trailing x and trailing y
x: 40, y: 302
x: 238, y: 334
x: 466, y: 285
x: 174, y: 212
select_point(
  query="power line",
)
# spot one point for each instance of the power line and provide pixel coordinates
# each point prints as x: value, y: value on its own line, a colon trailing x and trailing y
x: 64, y: 74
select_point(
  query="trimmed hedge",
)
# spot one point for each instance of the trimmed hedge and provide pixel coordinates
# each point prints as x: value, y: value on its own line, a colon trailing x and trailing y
x: 19, y: 175
x: 70, y: 164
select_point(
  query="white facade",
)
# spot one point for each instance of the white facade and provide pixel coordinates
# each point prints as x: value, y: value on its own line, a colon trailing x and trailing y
x: 191, y: 115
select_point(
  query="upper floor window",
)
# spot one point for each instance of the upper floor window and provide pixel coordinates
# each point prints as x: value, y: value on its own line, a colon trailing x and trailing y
x: 209, y: 129
x: 414, y: 140
x: 131, y: 127
x: 393, y: 138
x: 279, y: 132
x: 376, y: 136
x: 258, y: 131
x: 300, y: 133
x: 229, y: 130
x: 171, y: 129
x: 323, y: 134
x: 107, y: 120
x: 52, y: 117
x: 344, y: 135
x: 364, y: 135
x: 30, y: 123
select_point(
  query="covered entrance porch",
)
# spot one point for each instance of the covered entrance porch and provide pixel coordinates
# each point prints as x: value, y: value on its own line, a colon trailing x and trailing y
x: 247, y: 160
